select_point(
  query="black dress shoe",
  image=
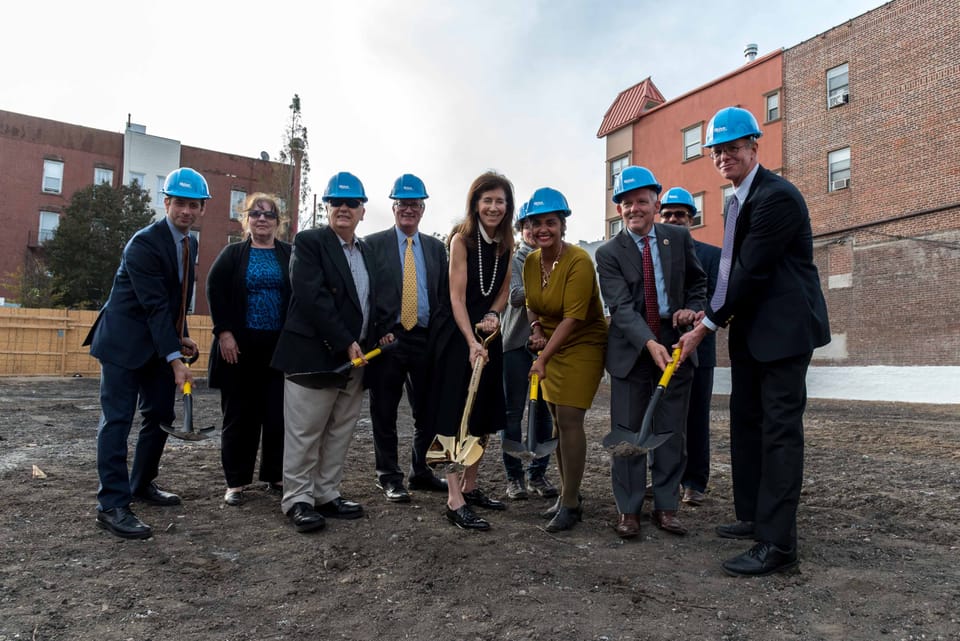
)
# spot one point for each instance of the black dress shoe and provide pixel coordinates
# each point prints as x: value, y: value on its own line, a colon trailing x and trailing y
x: 153, y: 495
x: 340, y: 508
x: 565, y: 519
x: 305, y: 518
x: 428, y: 483
x: 124, y: 523
x: 552, y: 511
x: 394, y: 491
x: 476, y: 498
x: 233, y: 497
x: 465, y: 519
x: 737, y: 530
x: 762, y: 559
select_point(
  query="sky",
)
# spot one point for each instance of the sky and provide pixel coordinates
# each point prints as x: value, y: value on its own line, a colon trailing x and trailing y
x: 442, y: 89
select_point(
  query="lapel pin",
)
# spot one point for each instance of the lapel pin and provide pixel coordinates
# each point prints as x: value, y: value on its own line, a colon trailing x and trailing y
x: 666, y: 241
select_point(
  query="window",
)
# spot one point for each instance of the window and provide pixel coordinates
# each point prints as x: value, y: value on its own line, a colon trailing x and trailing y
x: 52, y: 176
x: 140, y: 179
x: 839, y: 163
x: 773, y: 106
x: 234, y: 238
x: 49, y: 221
x: 838, y: 86
x: 616, y: 166
x: 698, y: 203
x: 237, y: 200
x: 102, y: 176
x: 615, y: 227
x: 691, y: 142
x: 161, y: 181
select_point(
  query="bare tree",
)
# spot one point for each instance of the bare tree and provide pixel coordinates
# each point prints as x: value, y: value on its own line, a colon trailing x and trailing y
x: 295, y: 152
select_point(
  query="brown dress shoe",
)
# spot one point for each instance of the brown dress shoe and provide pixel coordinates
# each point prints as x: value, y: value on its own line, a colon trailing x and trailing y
x: 628, y: 526
x: 693, y: 497
x: 667, y: 520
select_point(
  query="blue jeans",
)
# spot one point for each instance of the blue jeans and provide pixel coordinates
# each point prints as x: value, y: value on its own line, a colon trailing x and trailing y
x: 516, y: 391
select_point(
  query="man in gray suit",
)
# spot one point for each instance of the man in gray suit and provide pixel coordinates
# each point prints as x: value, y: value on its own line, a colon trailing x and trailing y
x: 405, y: 366
x: 654, y: 286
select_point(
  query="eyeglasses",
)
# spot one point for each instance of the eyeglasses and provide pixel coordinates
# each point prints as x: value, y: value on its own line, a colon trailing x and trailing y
x: 408, y: 204
x: 731, y: 149
x: 262, y: 213
x: 675, y: 213
x: 352, y: 203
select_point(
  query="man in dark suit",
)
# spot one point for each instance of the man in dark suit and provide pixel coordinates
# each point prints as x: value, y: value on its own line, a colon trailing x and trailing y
x: 653, y: 285
x: 408, y: 313
x: 139, y: 338
x: 677, y: 207
x: 330, y: 321
x: 768, y: 292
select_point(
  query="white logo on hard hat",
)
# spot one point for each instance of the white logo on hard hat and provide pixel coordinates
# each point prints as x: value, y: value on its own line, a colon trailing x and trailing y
x: 343, y: 186
x: 405, y: 188
x: 184, y: 184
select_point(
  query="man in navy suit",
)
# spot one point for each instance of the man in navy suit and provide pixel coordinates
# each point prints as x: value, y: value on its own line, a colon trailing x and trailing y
x: 649, y: 304
x: 768, y: 293
x: 406, y: 365
x: 677, y: 207
x: 331, y: 320
x: 140, y: 338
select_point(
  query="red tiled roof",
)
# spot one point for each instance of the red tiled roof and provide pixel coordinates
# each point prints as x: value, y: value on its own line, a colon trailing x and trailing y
x: 630, y: 105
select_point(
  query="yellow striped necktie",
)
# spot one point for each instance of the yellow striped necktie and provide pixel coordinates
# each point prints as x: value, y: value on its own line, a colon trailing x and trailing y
x: 408, y: 300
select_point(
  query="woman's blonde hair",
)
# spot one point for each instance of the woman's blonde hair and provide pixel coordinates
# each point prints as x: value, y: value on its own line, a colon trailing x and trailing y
x: 274, y: 202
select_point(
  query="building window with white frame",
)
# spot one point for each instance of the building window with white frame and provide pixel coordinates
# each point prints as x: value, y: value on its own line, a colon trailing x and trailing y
x: 53, y: 176
x: 237, y: 200
x: 161, y: 183
x: 615, y: 226
x: 49, y: 221
x: 102, y: 176
x: 839, y: 164
x: 773, y: 106
x: 691, y: 142
x: 698, y: 217
x: 838, y: 86
x: 616, y: 166
x: 140, y: 179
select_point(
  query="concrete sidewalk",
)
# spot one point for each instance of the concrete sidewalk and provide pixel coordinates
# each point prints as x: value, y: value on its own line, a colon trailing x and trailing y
x: 936, y: 385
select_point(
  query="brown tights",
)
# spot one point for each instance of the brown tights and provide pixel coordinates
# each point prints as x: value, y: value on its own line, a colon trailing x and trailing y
x: 572, y: 453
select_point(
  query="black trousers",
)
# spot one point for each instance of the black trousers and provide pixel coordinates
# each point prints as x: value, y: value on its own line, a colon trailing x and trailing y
x: 767, y: 401
x: 697, y: 473
x: 386, y: 377
x: 251, y: 397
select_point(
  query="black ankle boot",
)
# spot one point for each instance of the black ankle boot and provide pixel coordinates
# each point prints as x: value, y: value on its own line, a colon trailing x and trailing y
x: 565, y: 519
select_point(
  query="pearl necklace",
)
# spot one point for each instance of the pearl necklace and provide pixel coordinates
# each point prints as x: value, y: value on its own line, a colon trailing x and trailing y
x: 486, y: 291
x: 544, y: 276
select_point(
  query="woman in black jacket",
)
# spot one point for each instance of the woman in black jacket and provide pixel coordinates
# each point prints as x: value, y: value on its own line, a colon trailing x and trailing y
x: 248, y: 289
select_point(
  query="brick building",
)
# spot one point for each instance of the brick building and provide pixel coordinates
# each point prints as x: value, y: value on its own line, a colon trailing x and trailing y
x: 43, y: 162
x: 863, y: 119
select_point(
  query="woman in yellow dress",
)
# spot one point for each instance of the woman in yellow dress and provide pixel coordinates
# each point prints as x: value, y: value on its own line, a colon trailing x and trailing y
x: 570, y: 333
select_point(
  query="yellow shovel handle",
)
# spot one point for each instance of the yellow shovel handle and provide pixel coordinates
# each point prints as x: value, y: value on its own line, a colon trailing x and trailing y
x: 668, y: 370
x: 187, y: 388
x: 356, y: 362
x: 534, y: 387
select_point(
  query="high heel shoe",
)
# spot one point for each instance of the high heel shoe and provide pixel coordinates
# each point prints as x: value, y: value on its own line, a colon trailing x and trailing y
x: 565, y: 519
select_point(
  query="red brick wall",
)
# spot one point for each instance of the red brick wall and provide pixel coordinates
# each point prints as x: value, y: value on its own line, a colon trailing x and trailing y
x: 901, y: 125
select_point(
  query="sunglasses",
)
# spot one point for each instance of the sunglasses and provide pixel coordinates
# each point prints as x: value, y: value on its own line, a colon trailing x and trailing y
x: 352, y: 203
x: 260, y: 213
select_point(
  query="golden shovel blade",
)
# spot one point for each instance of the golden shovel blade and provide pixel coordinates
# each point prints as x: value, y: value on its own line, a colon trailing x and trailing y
x: 442, y: 450
x: 469, y: 451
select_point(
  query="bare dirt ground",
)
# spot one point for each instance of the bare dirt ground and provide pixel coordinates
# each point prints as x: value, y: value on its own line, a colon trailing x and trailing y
x: 879, y: 527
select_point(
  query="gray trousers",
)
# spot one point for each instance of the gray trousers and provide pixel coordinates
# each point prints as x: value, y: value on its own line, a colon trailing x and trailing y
x: 629, y: 398
x: 318, y: 428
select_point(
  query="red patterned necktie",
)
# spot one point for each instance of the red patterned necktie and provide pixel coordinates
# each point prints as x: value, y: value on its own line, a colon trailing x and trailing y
x: 184, y: 282
x: 650, y: 289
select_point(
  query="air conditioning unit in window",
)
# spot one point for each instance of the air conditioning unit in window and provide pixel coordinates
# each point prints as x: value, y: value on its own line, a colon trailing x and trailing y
x: 838, y: 99
x: 839, y: 184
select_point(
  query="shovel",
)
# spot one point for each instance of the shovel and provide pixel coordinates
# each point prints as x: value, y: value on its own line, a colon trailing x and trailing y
x: 464, y: 449
x: 627, y: 442
x: 531, y: 449
x: 339, y: 376
x: 188, y: 433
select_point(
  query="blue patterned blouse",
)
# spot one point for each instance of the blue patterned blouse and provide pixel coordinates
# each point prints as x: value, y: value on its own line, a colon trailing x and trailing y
x: 264, y: 290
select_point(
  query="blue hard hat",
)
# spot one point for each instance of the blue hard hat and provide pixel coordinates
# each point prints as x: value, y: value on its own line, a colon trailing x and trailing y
x: 408, y: 186
x: 678, y: 196
x: 634, y: 177
x: 344, y: 185
x: 186, y: 183
x: 546, y: 200
x: 731, y: 123
x: 521, y: 214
